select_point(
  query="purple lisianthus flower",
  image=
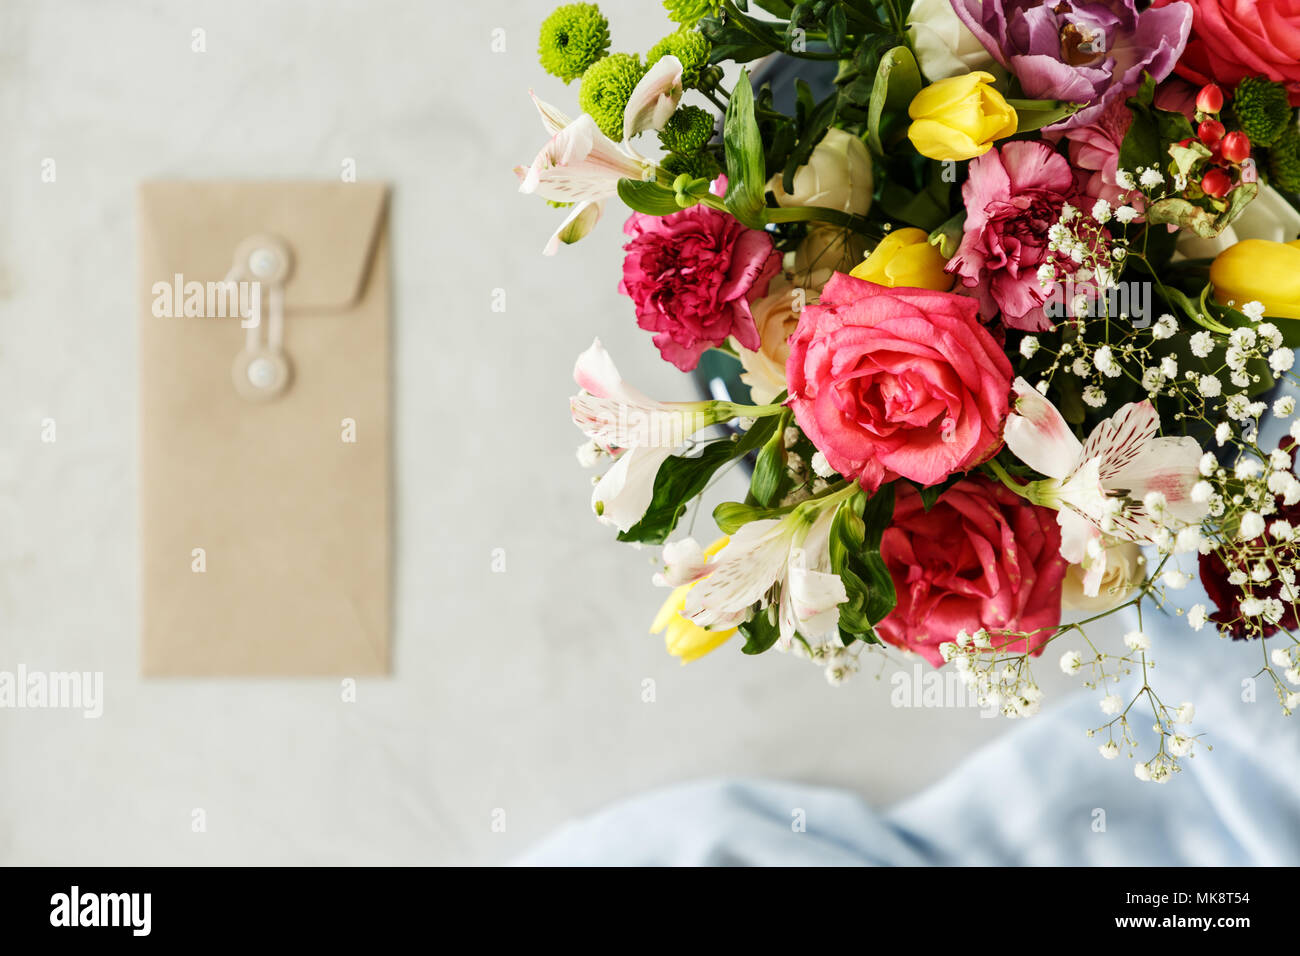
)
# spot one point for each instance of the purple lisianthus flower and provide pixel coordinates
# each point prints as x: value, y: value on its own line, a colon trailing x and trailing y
x: 1083, y: 51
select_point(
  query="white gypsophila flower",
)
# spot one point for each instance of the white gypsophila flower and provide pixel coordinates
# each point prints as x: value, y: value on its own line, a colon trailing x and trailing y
x: 1164, y: 328
x: 1109, y: 750
x: 1101, y: 211
x: 1175, y: 580
x: 1137, y: 641
x: 1292, y: 701
x: 1270, y: 333
x: 1222, y: 432
x: 1179, y: 745
x: 1281, y: 360
x: 1196, y: 617
x: 1188, y: 540
x: 1280, y: 459
x: 1202, y: 344
x: 1094, y: 396
x: 1252, y: 526
x: 1124, y: 179
x: 1046, y: 276
x: 1103, y: 359
x: 1169, y: 366
x: 1080, y: 367
x: 1242, y: 338
x: 981, y: 639
x: 1125, y: 214
x: 1237, y: 578
x: 1209, y: 464
x: 1255, y: 310
x: 1281, y: 530
x: 1241, y: 378
x: 948, y: 650
x: 1070, y: 662
x: 1202, y: 491
x: 1186, y: 712
x: 1293, y: 675
x: 1111, y: 704
x: 588, y: 454
x: 1284, y: 407
x: 1248, y: 468
x: 1152, y: 379
x: 1260, y: 573
x: 1281, y: 657
x: 1294, y: 430
x: 1028, y: 346
x: 790, y: 437
x: 1151, y: 178
x: 821, y: 467
x: 1237, y: 407
x: 1141, y: 770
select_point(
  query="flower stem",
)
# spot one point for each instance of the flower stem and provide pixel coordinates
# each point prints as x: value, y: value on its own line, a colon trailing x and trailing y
x: 1006, y: 479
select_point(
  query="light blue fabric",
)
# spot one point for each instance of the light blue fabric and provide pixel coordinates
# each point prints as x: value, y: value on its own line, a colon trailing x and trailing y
x: 1032, y: 797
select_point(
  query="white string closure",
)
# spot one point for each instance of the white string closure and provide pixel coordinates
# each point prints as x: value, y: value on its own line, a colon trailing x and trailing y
x: 262, y: 370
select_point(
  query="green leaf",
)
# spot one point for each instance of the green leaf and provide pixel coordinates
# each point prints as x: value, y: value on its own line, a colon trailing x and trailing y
x: 855, y: 536
x: 746, y: 175
x: 760, y: 633
x: 648, y: 197
x: 837, y: 25
x: 769, y: 470
x: 898, y: 80
x: 948, y: 236
x: 681, y: 478
x: 1035, y: 114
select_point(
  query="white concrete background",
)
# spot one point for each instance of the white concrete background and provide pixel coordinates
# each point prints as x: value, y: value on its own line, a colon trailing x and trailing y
x: 519, y: 691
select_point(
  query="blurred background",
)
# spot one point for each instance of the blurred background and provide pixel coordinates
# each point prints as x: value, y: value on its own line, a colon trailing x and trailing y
x: 518, y: 696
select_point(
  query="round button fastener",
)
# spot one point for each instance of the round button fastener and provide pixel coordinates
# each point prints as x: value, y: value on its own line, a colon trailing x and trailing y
x: 264, y: 259
x: 261, y: 374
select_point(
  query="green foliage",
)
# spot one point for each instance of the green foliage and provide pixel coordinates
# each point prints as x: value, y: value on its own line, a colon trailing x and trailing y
x: 1262, y: 109
x: 769, y: 469
x: 746, y: 173
x: 682, y: 478
x: 572, y: 38
x: 760, y: 632
x: 898, y: 80
x: 606, y: 88
x: 856, y: 532
x: 647, y: 197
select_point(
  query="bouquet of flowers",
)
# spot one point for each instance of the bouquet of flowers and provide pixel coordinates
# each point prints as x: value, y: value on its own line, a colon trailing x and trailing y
x: 1015, y: 295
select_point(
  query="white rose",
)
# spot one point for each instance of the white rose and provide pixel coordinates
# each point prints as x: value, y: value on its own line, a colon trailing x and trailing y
x: 943, y: 45
x: 837, y: 176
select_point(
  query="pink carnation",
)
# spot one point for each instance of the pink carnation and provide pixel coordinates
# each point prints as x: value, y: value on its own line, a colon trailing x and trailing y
x: 981, y: 557
x: 1013, y: 196
x: 892, y: 383
x: 1094, y: 151
x: 692, y: 275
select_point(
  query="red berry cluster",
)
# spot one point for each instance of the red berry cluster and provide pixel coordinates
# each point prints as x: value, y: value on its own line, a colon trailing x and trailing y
x: 1228, y: 150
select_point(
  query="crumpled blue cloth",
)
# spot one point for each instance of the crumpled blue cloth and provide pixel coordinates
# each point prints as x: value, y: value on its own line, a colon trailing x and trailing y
x: 1039, y: 795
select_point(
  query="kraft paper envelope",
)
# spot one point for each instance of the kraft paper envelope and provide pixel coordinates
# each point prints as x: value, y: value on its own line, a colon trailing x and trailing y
x: 264, y: 533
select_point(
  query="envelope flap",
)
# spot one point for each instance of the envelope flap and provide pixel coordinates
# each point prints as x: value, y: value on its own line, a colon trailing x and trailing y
x: 330, y: 229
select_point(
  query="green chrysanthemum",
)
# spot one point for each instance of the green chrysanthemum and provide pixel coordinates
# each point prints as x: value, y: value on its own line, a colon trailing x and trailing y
x: 690, y: 12
x: 1284, y: 161
x: 606, y: 87
x: 1262, y: 108
x: 687, y: 131
x: 699, y: 166
x: 573, y: 37
x: 689, y: 47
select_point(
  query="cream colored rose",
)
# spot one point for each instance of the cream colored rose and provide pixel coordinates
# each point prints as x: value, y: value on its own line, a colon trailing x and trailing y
x: 825, y: 250
x: 776, y: 315
x: 944, y: 46
x: 1124, y: 573
x: 837, y: 176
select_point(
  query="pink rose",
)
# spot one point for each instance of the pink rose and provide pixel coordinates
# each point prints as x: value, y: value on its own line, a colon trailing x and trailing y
x: 1233, y: 39
x: 980, y: 557
x: 901, y: 382
x: 1013, y: 196
x: 692, y: 275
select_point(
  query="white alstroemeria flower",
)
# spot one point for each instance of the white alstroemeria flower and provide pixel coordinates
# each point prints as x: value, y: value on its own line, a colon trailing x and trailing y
x: 684, y: 562
x: 654, y: 98
x: 788, y: 558
x: 584, y: 215
x: 638, y: 431
x: 579, y: 163
x: 1100, y: 486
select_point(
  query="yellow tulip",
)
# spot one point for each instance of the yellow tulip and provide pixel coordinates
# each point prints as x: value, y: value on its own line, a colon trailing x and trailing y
x: 683, y: 638
x: 1259, y: 270
x: 960, y: 117
x: 905, y: 258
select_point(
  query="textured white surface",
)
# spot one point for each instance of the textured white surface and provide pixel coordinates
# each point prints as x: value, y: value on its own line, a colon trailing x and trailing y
x: 520, y: 691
